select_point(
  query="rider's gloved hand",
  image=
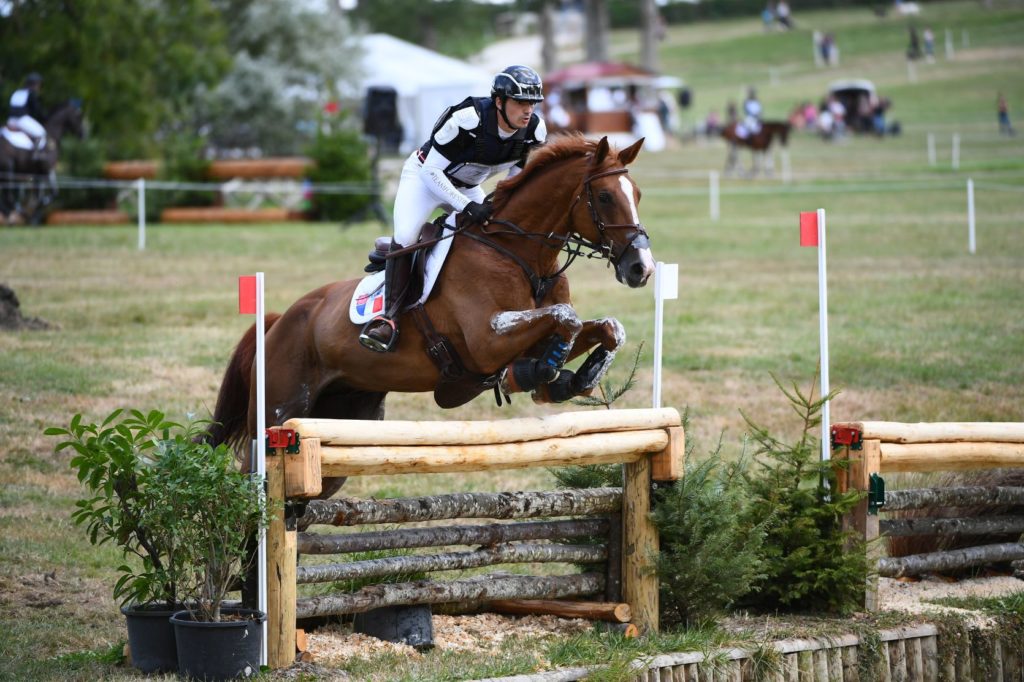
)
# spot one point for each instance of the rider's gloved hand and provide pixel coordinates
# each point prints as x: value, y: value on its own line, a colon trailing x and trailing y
x: 479, y: 213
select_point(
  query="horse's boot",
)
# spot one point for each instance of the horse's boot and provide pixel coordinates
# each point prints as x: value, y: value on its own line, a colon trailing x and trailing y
x: 381, y: 333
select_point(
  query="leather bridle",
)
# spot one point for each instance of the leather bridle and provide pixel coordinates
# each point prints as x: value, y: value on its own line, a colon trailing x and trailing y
x: 606, y: 245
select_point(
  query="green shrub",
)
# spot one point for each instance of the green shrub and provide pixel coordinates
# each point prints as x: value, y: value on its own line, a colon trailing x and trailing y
x: 811, y: 563
x: 711, y: 547
x: 340, y: 156
x: 182, y: 160
x: 84, y: 158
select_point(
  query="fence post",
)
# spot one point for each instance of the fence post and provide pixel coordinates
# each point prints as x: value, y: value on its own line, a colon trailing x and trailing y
x: 281, y: 568
x: 639, y: 546
x: 863, y: 463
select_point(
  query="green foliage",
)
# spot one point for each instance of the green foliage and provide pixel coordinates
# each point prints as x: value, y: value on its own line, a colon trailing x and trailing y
x: 213, y: 510
x: 183, y: 161
x: 115, y: 462
x: 341, y: 156
x: 456, y: 27
x: 811, y: 563
x: 84, y: 159
x: 712, y: 547
x: 137, y: 66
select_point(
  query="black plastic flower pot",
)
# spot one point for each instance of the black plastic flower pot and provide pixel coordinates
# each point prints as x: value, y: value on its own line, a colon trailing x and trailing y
x: 412, y: 625
x: 219, y: 651
x: 151, y: 637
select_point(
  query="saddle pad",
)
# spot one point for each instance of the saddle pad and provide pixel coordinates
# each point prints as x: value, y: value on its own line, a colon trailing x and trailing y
x: 367, y: 299
x: 17, y: 138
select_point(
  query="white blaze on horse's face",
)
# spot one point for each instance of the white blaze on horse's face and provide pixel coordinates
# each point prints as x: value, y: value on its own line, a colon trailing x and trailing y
x: 646, y: 258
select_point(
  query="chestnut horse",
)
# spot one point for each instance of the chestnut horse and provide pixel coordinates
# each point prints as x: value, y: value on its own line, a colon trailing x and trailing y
x: 502, y: 303
x: 758, y: 144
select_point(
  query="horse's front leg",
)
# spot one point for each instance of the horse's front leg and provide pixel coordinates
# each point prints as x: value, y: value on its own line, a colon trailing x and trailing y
x: 608, y: 335
x: 552, y: 330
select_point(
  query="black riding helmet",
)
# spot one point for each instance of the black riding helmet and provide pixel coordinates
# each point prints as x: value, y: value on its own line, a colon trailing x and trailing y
x: 520, y: 83
x: 33, y: 79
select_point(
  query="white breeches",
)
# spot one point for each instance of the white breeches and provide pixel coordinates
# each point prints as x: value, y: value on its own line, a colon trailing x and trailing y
x: 414, y: 202
x: 30, y: 126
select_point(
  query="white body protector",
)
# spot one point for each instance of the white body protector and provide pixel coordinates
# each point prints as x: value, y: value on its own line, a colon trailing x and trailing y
x: 751, y: 124
x: 23, y: 123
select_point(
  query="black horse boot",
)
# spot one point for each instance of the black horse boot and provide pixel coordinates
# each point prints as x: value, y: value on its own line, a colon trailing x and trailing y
x: 381, y: 333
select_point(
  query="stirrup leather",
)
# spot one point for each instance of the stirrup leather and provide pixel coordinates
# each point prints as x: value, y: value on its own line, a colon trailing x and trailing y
x: 373, y: 344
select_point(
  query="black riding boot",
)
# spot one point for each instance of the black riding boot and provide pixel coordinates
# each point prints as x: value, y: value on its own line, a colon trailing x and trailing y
x: 381, y: 333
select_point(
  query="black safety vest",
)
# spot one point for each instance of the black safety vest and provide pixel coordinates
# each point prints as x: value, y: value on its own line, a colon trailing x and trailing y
x: 481, y: 146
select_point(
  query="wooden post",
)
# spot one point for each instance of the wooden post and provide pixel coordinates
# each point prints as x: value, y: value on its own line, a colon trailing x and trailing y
x: 863, y: 463
x: 667, y: 465
x: 639, y: 546
x: 281, y: 564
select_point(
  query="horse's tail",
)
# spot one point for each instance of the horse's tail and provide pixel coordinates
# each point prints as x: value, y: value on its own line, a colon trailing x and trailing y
x: 231, y: 416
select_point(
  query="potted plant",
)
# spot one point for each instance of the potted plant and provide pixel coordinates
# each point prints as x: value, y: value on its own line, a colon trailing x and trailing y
x: 214, y: 510
x: 115, y: 462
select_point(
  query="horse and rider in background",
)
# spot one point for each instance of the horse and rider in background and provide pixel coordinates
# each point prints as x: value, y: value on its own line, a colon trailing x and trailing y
x: 29, y: 150
x: 755, y: 134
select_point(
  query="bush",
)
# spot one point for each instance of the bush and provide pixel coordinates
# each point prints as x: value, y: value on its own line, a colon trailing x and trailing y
x: 182, y: 161
x: 811, y: 563
x: 712, y: 548
x: 84, y: 158
x: 340, y: 156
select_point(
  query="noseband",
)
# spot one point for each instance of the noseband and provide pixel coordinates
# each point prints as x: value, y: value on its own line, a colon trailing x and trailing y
x: 606, y: 246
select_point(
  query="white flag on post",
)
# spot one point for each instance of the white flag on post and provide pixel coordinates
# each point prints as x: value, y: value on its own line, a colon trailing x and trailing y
x: 666, y: 287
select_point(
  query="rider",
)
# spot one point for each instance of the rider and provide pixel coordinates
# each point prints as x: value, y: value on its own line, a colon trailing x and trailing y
x: 472, y: 141
x: 752, y: 113
x: 25, y: 111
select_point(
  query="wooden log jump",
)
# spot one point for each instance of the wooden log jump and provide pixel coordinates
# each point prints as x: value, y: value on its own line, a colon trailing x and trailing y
x: 222, y: 214
x: 271, y: 167
x: 88, y: 217
x: 649, y: 443
x: 877, y: 447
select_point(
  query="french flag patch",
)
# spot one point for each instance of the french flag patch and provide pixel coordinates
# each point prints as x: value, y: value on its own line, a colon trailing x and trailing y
x: 372, y: 303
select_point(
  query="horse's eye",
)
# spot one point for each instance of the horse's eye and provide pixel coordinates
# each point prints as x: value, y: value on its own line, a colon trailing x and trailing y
x: 604, y: 197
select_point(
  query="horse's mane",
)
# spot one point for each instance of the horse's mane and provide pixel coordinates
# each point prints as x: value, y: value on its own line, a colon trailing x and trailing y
x: 558, y: 148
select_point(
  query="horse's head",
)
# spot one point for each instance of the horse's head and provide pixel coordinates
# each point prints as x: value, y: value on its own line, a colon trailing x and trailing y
x: 66, y: 118
x: 607, y: 215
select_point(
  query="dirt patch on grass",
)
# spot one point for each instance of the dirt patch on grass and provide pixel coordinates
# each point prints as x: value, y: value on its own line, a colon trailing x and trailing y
x: 10, y: 313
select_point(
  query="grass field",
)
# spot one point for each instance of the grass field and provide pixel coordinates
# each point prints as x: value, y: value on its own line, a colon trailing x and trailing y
x: 920, y: 330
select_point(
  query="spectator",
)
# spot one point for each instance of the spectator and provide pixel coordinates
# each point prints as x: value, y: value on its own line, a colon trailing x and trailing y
x: 730, y: 113
x: 929, y: 45
x: 768, y: 17
x: 1005, y: 128
x: 914, y: 48
x: 782, y: 15
x: 712, y: 125
x: 810, y: 115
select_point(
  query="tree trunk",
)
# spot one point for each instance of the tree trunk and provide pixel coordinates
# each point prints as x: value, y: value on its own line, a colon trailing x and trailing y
x: 405, y: 565
x: 596, y: 30
x: 486, y: 535
x: 949, y: 561
x: 548, y: 48
x: 479, y: 588
x: 965, y: 526
x: 649, y: 27
x: 509, y: 505
x: 967, y: 496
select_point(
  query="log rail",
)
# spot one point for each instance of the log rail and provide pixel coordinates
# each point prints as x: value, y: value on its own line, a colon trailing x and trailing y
x: 610, y: 526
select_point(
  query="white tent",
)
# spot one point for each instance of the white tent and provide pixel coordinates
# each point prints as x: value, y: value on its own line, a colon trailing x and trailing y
x: 426, y: 82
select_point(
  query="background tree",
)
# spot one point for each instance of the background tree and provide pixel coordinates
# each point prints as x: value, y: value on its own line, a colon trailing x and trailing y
x: 453, y: 27
x: 136, y: 65
x: 596, y: 12
x: 287, y: 62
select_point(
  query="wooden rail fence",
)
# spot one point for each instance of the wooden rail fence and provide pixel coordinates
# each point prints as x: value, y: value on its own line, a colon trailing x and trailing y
x: 649, y: 443
x: 876, y: 448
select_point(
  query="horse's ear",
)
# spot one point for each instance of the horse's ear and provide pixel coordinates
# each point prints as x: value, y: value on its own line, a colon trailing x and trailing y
x: 627, y: 155
x: 601, y: 152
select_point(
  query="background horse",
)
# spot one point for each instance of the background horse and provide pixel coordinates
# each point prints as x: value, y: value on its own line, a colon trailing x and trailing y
x: 28, y: 179
x: 502, y: 301
x: 758, y: 144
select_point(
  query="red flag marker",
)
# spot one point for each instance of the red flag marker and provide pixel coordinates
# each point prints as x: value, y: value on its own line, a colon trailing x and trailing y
x: 247, y: 295
x: 808, y: 228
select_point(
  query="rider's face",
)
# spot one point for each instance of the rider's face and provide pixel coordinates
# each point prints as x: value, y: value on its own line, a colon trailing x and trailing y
x: 518, y: 112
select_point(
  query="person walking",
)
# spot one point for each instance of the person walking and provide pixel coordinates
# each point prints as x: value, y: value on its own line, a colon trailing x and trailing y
x: 472, y: 141
x: 1005, y: 127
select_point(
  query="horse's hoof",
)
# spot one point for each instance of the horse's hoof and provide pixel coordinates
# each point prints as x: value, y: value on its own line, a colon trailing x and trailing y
x: 591, y: 371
